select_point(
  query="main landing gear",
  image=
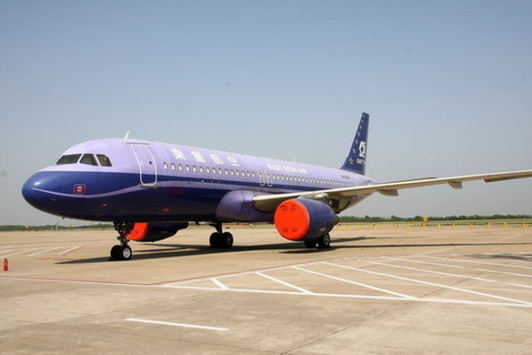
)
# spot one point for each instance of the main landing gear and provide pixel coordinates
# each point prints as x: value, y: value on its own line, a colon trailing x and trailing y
x: 122, y: 251
x: 219, y: 239
x: 323, y: 242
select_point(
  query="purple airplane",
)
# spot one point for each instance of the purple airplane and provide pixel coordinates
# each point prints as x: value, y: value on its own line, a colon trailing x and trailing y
x: 151, y: 190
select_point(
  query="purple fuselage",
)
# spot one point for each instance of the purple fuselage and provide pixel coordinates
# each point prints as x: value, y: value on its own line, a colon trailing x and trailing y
x: 140, y: 181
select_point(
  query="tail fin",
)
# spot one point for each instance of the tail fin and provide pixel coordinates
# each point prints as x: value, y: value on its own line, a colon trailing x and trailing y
x: 356, y: 159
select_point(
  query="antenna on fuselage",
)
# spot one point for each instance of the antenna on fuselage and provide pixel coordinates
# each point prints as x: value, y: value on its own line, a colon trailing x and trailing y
x: 127, y: 135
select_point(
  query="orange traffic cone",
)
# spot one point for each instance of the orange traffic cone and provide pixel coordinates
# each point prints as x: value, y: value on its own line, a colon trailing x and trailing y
x: 6, y: 265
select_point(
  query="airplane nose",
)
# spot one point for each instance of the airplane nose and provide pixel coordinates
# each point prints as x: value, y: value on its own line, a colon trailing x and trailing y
x: 34, y: 191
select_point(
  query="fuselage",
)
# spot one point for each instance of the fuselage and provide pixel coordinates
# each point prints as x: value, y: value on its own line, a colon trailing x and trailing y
x: 139, y: 181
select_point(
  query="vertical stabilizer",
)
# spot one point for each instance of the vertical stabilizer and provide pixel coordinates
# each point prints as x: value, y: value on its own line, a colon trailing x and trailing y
x: 356, y: 159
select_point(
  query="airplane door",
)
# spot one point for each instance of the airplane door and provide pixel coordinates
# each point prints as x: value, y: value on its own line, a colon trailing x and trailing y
x: 147, y: 166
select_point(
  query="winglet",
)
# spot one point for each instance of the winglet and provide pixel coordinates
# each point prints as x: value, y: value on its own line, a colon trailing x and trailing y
x: 356, y: 159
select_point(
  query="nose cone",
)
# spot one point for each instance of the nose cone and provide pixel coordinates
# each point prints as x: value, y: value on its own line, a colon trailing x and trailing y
x: 36, y: 191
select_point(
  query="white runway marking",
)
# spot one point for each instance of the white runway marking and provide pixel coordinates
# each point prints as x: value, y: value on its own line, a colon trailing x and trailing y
x: 353, y: 282
x: 441, y: 285
x: 373, y: 284
x: 508, y: 292
x: 183, y: 325
x: 478, y: 262
x: 219, y: 284
x: 449, y: 274
x: 69, y: 250
x: 37, y: 251
x: 18, y: 253
x: 300, y: 289
x: 43, y: 252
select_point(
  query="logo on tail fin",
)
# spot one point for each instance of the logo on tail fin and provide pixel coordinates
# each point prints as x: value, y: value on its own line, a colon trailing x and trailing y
x: 356, y: 159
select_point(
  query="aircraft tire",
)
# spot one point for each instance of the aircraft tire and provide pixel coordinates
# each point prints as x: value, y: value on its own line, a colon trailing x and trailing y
x: 324, y: 242
x: 214, y: 240
x: 226, y: 240
x: 119, y: 252
x: 115, y: 252
x: 125, y: 252
x: 221, y: 240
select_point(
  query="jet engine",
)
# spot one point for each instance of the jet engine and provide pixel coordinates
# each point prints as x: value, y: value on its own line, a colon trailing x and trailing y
x: 154, y: 231
x: 305, y: 220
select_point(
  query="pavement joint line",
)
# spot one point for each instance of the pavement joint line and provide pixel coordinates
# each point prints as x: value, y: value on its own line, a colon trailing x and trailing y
x: 184, y: 325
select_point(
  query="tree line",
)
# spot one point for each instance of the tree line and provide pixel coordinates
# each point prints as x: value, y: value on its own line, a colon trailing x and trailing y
x: 345, y: 219
x: 372, y: 219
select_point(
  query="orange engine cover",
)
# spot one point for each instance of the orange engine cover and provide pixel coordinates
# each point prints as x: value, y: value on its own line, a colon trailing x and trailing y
x: 300, y: 219
x: 154, y: 231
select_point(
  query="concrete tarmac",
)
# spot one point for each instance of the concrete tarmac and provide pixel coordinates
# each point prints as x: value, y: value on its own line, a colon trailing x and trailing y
x: 375, y: 291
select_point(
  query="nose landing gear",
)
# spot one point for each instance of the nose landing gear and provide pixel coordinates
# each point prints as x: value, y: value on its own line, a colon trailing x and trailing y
x: 122, y: 251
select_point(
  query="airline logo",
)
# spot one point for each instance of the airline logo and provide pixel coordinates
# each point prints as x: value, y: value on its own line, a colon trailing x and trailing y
x: 362, y: 149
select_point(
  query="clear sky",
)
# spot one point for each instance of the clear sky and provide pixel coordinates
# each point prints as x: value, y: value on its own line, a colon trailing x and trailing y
x: 448, y: 85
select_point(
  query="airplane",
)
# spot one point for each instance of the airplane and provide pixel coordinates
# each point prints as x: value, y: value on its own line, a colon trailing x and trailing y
x: 151, y: 190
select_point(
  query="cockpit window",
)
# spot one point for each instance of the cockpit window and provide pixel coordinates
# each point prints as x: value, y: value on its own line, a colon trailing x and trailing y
x: 88, y: 159
x: 68, y: 159
x: 104, y: 160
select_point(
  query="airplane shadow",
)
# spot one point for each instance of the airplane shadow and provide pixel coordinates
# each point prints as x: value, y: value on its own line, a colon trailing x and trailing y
x: 175, y: 250
x: 181, y: 250
x: 504, y: 256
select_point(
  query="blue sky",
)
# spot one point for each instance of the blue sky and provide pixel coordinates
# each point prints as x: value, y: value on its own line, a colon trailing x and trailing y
x: 448, y: 86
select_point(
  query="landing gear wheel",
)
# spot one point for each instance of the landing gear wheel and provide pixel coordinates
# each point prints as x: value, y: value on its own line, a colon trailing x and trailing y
x: 214, y: 240
x: 324, y: 242
x: 115, y: 252
x: 125, y: 253
x: 221, y: 240
x: 226, y: 240
x: 121, y: 252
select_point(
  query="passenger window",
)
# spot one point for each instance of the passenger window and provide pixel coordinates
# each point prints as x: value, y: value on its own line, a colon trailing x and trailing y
x: 104, y: 160
x: 68, y: 159
x: 88, y: 159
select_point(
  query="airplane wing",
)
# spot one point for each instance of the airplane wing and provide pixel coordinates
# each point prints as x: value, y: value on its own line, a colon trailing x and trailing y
x: 268, y: 203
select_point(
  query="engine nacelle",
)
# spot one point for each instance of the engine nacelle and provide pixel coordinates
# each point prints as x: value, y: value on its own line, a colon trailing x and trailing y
x: 237, y: 206
x: 300, y: 219
x: 154, y: 231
